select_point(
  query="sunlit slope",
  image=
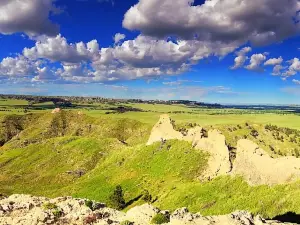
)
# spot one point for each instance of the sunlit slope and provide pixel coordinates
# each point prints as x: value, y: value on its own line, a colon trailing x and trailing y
x: 70, y: 153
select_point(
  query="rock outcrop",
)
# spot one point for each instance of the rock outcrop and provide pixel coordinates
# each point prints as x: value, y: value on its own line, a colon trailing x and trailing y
x: 214, y: 144
x: 218, y: 162
x: 257, y: 167
x: 56, y: 110
x: 163, y: 130
x: 253, y: 163
x: 29, y: 210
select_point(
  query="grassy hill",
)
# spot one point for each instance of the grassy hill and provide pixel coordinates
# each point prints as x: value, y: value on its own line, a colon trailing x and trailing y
x: 74, y: 154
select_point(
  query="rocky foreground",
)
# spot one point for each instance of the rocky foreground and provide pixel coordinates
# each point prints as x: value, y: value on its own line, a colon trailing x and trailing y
x: 29, y: 210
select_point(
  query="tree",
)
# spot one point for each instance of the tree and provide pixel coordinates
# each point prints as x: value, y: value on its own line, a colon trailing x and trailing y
x: 254, y: 133
x: 146, y: 196
x: 116, y: 200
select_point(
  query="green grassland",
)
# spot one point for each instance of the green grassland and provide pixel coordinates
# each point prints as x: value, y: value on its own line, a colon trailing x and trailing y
x: 88, y: 154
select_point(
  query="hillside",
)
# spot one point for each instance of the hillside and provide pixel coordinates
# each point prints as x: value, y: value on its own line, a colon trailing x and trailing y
x: 70, y: 153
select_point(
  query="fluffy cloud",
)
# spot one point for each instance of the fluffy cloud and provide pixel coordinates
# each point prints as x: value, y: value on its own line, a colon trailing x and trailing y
x: 216, y: 20
x: 296, y: 81
x: 19, y: 66
x: 277, y: 70
x: 44, y: 74
x: 274, y: 61
x: 28, y: 16
x: 241, y: 58
x: 58, y: 49
x: 281, y: 68
x: 119, y: 37
x: 147, y: 57
x: 145, y: 52
x: 293, y: 69
x: 255, y: 62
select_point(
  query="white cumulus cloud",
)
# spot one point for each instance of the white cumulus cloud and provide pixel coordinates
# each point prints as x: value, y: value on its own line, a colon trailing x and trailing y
x: 27, y: 16
x: 58, y: 49
x: 119, y: 37
x: 241, y: 58
x: 296, y: 81
x: 216, y: 20
x: 274, y: 61
x: 255, y: 62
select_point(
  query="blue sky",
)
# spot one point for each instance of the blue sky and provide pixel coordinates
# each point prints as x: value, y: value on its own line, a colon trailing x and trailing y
x: 228, y: 51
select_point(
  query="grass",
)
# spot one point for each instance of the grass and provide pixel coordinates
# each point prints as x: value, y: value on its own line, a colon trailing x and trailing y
x: 88, y: 155
x: 13, y: 102
x: 143, y: 167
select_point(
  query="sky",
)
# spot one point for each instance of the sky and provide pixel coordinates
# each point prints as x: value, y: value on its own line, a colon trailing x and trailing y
x: 216, y: 51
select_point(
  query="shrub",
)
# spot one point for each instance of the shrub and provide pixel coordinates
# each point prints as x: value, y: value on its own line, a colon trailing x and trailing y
x: 49, y: 206
x: 126, y: 222
x: 57, y: 212
x: 297, y: 152
x: 205, y: 133
x: 160, y: 219
x: 116, y: 200
x: 146, y: 196
x: 254, y: 133
x: 89, y: 204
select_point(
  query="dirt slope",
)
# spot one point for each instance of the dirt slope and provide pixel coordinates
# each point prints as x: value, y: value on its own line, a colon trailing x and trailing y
x: 28, y: 210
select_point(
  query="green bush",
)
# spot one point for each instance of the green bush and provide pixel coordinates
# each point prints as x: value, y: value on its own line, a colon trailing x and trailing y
x: 126, y: 222
x: 146, y: 196
x: 89, y: 204
x: 160, y: 219
x: 116, y: 200
x: 57, y: 212
x: 49, y: 206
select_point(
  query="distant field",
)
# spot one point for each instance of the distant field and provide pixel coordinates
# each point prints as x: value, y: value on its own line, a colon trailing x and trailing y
x: 202, y: 116
x: 13, y: 102
x: 289, y: 120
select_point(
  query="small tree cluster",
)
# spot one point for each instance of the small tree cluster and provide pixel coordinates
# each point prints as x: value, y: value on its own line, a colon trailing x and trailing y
x: 116, y: 200
x: 146, y: 196
x: 254, y: 133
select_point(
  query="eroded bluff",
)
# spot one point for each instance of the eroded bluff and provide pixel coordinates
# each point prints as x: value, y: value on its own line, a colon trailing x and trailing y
x: 251, y: 162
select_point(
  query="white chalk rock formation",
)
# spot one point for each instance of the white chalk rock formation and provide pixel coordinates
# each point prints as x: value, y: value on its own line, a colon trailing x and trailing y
x: 142, y: 215
x: 163, y: 130
x: 257, y: 167
x: 253, y: 163
x: 56, y: 110
x: 218, y: 162
x: 214, y: 144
